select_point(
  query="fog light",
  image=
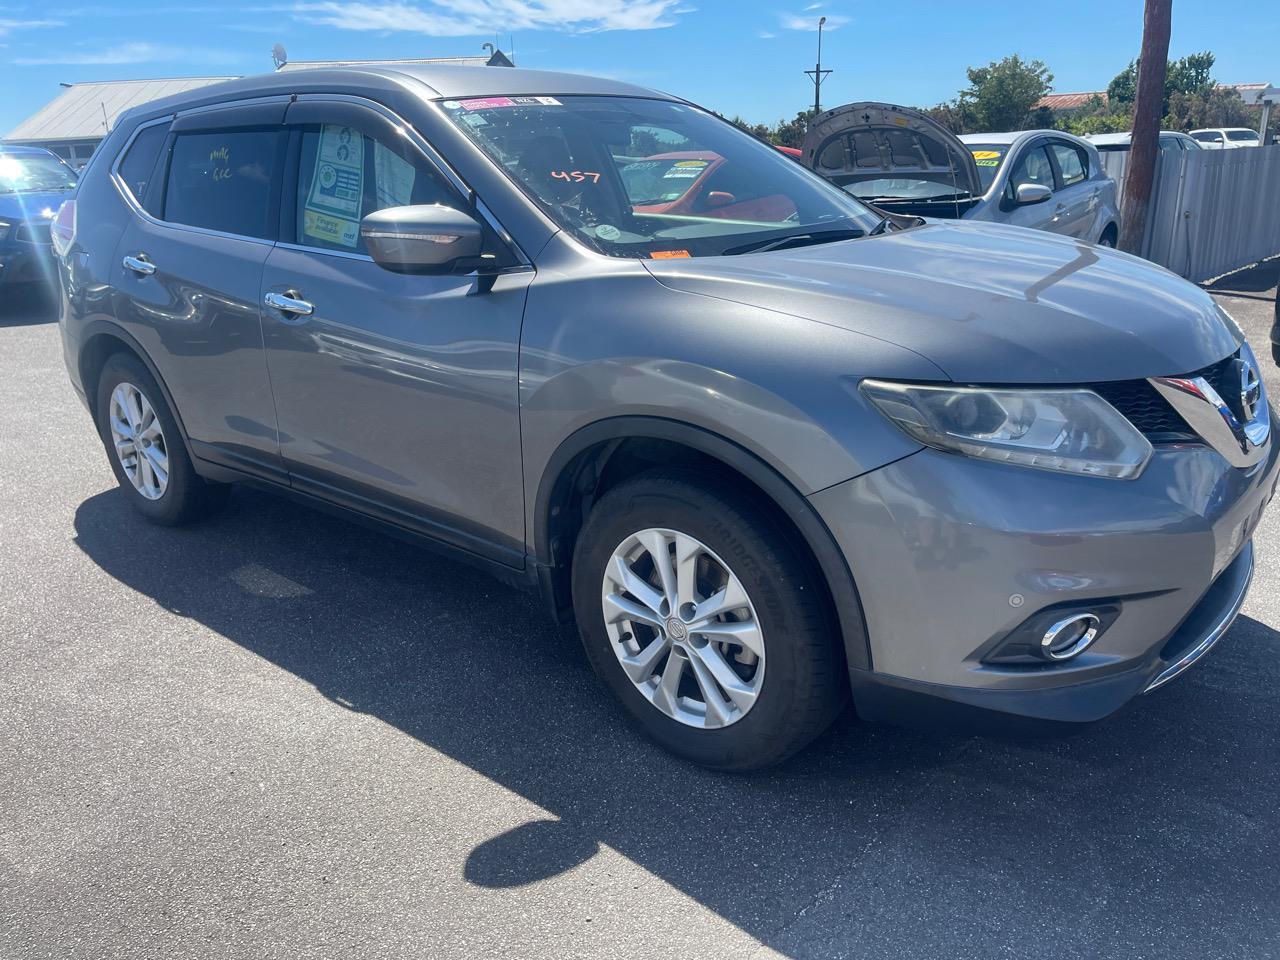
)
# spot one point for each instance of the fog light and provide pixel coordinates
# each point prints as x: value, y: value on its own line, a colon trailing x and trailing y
x: 1069, y: 637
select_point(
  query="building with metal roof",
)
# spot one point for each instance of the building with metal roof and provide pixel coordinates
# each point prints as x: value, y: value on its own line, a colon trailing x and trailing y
x: 75, y: 121
x: 1069, y: 101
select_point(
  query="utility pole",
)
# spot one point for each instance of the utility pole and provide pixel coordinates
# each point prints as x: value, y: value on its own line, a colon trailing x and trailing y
x: 1148, y: 110
x: 817, y: 73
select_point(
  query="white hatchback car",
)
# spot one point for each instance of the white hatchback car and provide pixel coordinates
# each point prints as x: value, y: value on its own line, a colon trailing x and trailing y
x: 1226, y: 138
x: 904, y: 162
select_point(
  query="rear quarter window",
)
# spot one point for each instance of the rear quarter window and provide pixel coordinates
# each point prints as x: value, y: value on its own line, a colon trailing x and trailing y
x: 139, y: 160
x: 225, y: 180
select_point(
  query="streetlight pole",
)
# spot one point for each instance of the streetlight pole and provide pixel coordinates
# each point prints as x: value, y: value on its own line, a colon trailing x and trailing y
x: 817, y: 73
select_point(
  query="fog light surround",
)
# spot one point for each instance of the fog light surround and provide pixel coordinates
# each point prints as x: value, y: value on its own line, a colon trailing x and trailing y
x: 1070, y: 636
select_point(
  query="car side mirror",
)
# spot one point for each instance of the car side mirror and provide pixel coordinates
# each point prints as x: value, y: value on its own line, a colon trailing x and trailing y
x: 1028, y: 193
x: 719, y: 198
x: 426, y: 238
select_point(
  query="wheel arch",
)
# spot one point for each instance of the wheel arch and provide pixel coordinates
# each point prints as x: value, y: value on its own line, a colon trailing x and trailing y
x: 101, y: 341
x: 588, y: 462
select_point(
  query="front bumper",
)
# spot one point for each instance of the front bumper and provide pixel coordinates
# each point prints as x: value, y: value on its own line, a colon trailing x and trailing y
x: 952, y: 555
x: 22, y: 262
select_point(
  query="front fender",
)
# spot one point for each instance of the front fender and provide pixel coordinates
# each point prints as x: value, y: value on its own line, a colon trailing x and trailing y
x: 617, y: 344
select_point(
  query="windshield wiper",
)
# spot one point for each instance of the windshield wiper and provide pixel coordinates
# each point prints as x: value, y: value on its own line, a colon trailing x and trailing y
x: 794, y: 240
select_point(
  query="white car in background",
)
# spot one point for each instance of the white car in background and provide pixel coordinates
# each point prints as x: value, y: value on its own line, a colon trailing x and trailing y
x: 1170, y: 141
x: 1226, y: 138
x: 906, y: 163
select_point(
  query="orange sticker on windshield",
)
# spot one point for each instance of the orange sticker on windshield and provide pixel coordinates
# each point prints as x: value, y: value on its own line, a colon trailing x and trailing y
x: 668, y: 254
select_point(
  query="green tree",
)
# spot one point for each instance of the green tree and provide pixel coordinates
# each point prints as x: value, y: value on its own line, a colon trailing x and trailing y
x: 790, y: 133
x: 1190, y: 75
x: 1001, y: 94
x: 761, y: 131
x: 954, y: 115
x: 1209, y: 107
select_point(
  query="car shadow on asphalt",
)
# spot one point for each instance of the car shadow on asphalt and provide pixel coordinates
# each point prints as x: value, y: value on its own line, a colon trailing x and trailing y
x: 27, y: 304
x: 1256, y: 282
x: 871, y: 833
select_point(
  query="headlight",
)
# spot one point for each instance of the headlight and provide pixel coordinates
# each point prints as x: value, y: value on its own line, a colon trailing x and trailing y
x: 1072, y: 430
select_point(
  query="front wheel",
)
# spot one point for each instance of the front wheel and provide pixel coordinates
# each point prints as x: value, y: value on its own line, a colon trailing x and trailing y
x: 704, y: 620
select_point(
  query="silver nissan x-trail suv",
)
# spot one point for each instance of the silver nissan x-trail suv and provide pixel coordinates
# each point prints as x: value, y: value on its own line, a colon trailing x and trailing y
x: 769, y: 448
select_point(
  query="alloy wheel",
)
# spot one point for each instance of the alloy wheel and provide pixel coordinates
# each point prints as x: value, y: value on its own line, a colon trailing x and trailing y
x: 683, y: 628
x: 139, y: 441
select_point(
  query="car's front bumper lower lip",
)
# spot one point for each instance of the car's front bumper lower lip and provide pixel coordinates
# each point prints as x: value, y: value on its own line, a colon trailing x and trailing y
x: 1058, y: 709
x: 952, y: 555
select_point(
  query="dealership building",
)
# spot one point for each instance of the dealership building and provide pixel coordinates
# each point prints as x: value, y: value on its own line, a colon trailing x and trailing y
x: 74, y: 122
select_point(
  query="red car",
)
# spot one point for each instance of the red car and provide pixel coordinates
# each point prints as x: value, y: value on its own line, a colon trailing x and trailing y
x: 698, y: 183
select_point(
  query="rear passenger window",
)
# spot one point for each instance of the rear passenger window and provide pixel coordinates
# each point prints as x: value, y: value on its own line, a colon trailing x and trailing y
x: 1071, y: 163
x: 223, y: 180
x: 139, y: 161
x: 345, y: 175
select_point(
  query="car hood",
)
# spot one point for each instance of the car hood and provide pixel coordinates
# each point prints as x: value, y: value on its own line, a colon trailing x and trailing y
x: 867, y: 141
x: 986, y: 303
x: 31, y: 206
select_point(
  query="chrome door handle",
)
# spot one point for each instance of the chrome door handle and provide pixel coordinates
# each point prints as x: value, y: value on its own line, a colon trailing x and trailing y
x: 287, y: 304
x: 139, y: 265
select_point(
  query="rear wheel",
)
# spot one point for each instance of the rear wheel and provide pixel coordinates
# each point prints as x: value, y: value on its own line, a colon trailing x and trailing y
x: 145, y: 447
x: 1108, y: 238
x: 703, y: 619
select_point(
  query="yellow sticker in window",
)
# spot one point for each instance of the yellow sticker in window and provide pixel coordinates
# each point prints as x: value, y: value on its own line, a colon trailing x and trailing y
x: 985, y: 155
x: 336, y: 230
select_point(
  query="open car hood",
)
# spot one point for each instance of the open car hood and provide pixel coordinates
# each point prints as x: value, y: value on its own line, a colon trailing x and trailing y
x: 882, y: 141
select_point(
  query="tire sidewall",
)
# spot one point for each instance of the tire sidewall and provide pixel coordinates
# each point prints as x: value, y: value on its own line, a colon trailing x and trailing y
x: 732, y: 537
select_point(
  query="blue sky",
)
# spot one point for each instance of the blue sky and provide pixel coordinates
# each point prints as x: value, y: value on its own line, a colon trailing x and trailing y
x: 743, y: 57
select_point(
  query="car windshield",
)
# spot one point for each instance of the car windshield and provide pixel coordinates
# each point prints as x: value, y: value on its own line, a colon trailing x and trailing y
x: 632, y: 177
x: 33, y: 173
x: 1241, y: 135
x: 988, y: 157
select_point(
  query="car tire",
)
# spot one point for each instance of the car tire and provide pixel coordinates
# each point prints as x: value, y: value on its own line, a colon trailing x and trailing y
x: 797, y: 683
x: 146, y: 448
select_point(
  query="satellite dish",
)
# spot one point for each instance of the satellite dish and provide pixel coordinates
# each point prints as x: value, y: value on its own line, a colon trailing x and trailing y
x: 278, y: 56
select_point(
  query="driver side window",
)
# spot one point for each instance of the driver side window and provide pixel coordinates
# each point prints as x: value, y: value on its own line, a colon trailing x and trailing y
x: 345, y: 175
x: 1032, y: 167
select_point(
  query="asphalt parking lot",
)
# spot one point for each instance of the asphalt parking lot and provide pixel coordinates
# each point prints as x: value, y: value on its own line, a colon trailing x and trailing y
x: 279, y: 735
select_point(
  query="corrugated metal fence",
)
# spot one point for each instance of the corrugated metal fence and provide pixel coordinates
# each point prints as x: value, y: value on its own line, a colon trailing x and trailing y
x: 1213, y: 211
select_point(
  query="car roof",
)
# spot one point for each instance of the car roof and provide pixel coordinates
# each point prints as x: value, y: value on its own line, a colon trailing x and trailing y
x: 21, y: 150
x: 1103, y: 139
x: 1222, y: 129
x: 1013, y: 136
x: 448, y: 81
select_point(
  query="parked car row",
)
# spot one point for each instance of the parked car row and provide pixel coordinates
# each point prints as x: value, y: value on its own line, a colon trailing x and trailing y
x: 904, y: 162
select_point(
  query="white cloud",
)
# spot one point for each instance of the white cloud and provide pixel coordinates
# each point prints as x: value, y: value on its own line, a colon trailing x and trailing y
x: 477, y: 18
x: 8, y: 26
x: 814, y: 6
x: 798, y: 21
x: 136, y: 52
x: 766, y: 35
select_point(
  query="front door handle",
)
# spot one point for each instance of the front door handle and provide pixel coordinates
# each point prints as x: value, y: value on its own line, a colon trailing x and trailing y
x: 287, y: 303
x: 140, y: 265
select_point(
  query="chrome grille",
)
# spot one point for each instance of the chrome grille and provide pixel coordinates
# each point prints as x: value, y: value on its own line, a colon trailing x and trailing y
x: 1152, y: 414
